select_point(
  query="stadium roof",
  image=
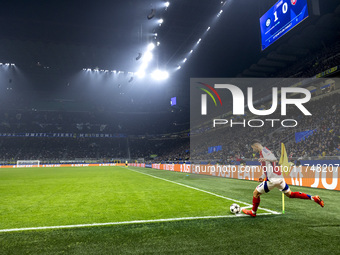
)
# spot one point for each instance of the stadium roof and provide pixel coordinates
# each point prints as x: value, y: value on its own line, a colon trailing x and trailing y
x: 111, y: 34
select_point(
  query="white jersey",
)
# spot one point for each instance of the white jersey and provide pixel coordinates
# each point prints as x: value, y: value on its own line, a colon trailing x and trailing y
x: 270, y: 168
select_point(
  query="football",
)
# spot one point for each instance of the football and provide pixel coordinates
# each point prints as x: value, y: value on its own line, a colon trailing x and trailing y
x: 235, y: 208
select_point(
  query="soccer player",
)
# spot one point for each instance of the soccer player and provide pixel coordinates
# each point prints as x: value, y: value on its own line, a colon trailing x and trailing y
x: 272, y: 178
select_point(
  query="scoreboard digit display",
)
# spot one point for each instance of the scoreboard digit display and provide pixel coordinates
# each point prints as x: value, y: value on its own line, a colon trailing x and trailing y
x: 281, y: 18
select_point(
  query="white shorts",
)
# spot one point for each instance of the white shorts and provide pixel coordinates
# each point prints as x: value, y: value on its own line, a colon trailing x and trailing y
x: 266, y: 186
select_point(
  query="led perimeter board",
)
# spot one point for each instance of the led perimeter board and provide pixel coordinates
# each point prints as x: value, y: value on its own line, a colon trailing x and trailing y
x: 280, y: 19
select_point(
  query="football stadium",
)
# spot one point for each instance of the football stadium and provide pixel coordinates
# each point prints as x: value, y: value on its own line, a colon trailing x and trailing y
x: 170, y: 127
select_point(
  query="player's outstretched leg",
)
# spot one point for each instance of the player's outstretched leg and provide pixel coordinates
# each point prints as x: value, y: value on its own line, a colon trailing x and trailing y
x: 300, y: 195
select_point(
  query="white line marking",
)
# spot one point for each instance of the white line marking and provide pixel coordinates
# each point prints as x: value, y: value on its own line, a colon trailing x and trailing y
x: 208, y: 192
x: 126, y: 222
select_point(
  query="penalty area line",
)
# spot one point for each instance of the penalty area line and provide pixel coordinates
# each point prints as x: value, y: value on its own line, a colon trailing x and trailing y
x: 126, y: 222
x: 205, y: 191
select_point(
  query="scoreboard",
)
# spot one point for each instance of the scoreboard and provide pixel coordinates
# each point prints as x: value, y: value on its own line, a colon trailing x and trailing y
x: 280, y: 19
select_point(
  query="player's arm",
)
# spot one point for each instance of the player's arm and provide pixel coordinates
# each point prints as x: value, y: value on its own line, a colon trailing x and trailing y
x: 262, y: 177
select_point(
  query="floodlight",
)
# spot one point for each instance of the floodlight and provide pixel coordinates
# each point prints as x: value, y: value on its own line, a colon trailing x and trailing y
x: 147, y: 57
x: 140, y: 74
x: 151, y: 46
x: 143, y: 66
x: 159, y: 75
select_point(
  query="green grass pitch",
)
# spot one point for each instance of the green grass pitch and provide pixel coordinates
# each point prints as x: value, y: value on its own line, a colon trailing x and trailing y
x: 42, y: 197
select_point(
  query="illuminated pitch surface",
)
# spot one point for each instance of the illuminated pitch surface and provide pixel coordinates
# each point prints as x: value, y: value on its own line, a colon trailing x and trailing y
x: 45, y: 197
x: 65, y: 196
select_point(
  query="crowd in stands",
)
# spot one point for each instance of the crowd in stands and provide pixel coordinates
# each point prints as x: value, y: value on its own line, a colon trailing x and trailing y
x: 19, y: 121
x: 160, y: 150
x: 51, y: 149
x: 324, y: 142
x: 107, y: 149
x: 313, y: 64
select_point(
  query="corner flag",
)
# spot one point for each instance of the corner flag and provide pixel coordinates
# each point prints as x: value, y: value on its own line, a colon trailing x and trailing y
x: 285, y: 167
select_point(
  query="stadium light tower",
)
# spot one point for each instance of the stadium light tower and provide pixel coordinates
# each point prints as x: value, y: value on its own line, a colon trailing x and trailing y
x: 167, y: 4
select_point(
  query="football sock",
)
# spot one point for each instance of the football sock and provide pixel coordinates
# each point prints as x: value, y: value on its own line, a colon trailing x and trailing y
x: 256, y: 203
x: 300, y: 195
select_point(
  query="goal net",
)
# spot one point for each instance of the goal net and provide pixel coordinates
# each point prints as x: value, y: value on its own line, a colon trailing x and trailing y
x: 28, y: 163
